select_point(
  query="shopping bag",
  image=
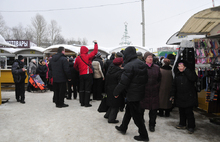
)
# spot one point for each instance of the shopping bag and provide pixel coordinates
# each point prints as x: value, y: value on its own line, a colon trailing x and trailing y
x: 103, y: 105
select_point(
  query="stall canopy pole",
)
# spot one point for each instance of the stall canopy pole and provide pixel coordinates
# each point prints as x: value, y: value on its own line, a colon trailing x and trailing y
x: 143, y: 24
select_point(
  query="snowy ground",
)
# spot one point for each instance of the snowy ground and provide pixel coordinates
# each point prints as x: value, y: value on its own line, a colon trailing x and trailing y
x: 38, y: 120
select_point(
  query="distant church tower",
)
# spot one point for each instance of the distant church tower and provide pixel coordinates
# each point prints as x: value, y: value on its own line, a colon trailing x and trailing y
x: 125, y: 37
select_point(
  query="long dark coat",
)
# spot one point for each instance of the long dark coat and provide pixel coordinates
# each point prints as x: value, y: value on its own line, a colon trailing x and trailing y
x: 165, y: 87
x: 60, y: 68
x: 134, y: 77
x: 112, y: 79
x: 184, y: 90
x: 41, y: 70
x: 18, y: 75
x: 151, y: 99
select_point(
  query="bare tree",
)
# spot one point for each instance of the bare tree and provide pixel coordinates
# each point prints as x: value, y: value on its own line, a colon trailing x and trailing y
x: 29, y: 34
x: 39, y: 29
x: 60, y: 40
x: 84, y: 41
x: 53, y: 32
x: 2, y: 26
x: 71, y: 41
x: 18, y: 32
x: 8, y: 33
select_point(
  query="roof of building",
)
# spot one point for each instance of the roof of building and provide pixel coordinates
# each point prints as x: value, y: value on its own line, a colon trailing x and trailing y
x: 203, y: 22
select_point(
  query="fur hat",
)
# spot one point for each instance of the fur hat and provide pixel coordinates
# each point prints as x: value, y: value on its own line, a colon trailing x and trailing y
x: 146, y: 54
x: 20, y: 57
x: 118, y: 61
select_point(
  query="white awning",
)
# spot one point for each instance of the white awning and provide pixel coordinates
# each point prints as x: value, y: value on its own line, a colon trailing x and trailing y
x: 4, y: 43
x: 176, y: 38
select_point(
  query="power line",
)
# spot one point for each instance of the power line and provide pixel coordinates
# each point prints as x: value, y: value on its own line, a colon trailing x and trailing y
x: 76, y: 8
x: 177, y: 14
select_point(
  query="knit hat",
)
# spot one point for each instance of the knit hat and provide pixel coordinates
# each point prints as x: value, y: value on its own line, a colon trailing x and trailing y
x: 147, y: 54
x: 118, y: 61
x: 20, y: 57
x: 118, y: 54
x: 98, y: 54
x: 139, y: 54
x: 71, y: 60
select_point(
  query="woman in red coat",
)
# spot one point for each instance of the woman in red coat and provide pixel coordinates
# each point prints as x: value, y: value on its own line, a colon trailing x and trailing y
x: 83, y: 65
x: 151, y: 99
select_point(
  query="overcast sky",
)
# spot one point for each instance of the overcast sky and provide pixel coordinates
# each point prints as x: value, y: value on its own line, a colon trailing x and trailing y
x: 104, y: 20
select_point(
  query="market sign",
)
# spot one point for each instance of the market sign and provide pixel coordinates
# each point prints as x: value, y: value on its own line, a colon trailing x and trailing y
x: 19, y: 43
x: 165, y: 53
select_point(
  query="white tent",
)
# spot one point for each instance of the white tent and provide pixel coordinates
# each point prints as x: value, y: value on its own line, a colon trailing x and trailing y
x: 176, y: 39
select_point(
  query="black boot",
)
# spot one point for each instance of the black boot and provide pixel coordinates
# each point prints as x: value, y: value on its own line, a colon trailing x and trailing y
x: 82, y: 98
x: 28, y: 88
x: 87, y: 99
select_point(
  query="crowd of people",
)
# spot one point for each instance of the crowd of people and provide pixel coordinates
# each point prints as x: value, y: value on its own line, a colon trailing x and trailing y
x: 132, y: 81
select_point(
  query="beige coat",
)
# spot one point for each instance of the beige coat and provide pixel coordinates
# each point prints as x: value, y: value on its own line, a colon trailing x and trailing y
x: 97, y: 70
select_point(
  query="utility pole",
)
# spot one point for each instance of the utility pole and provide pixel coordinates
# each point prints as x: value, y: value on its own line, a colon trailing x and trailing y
x: 143, y: 24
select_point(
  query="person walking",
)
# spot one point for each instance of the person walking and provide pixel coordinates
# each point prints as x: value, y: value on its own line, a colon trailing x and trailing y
x: 151, y: 99
x: 31, y: 70
x: 185, y: 96
x: 98, y: 77
x: 112, y: 79
x: 18, y: 72
x: 83, y: 65
x: 133, y: 80
x: 60, y: 73
x: 165, y: 88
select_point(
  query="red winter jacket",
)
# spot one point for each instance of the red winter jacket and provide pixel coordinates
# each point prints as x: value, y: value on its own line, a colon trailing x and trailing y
x: 80, y: 66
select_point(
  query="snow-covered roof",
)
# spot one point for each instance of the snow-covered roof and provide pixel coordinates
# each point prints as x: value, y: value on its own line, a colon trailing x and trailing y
x: 40, y: 49
x: 4, y: 43
x: 104, y: 49
x: 69, y: 47
x: 117, y: 48
x: 16, y: 50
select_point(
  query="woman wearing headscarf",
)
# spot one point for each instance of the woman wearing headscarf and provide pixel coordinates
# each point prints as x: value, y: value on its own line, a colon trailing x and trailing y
x: 151, y: 99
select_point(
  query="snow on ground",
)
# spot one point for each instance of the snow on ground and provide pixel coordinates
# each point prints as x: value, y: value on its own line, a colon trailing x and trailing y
x: 38, y: 120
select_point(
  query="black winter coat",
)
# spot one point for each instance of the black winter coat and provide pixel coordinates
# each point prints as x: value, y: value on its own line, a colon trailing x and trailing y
x: 41, y: 70
x: 60, y: 68
x: 184, y: 90
x: 134, y: 77
x: 18, y: 75
x: 74, y: 73
x: 112, y: 79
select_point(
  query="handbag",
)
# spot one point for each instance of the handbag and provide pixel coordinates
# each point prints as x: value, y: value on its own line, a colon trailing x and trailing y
x: 87, y: 64
x: 103, y: 105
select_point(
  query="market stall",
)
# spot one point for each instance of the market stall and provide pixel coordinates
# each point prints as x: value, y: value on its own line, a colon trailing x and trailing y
x: 206, y: 56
